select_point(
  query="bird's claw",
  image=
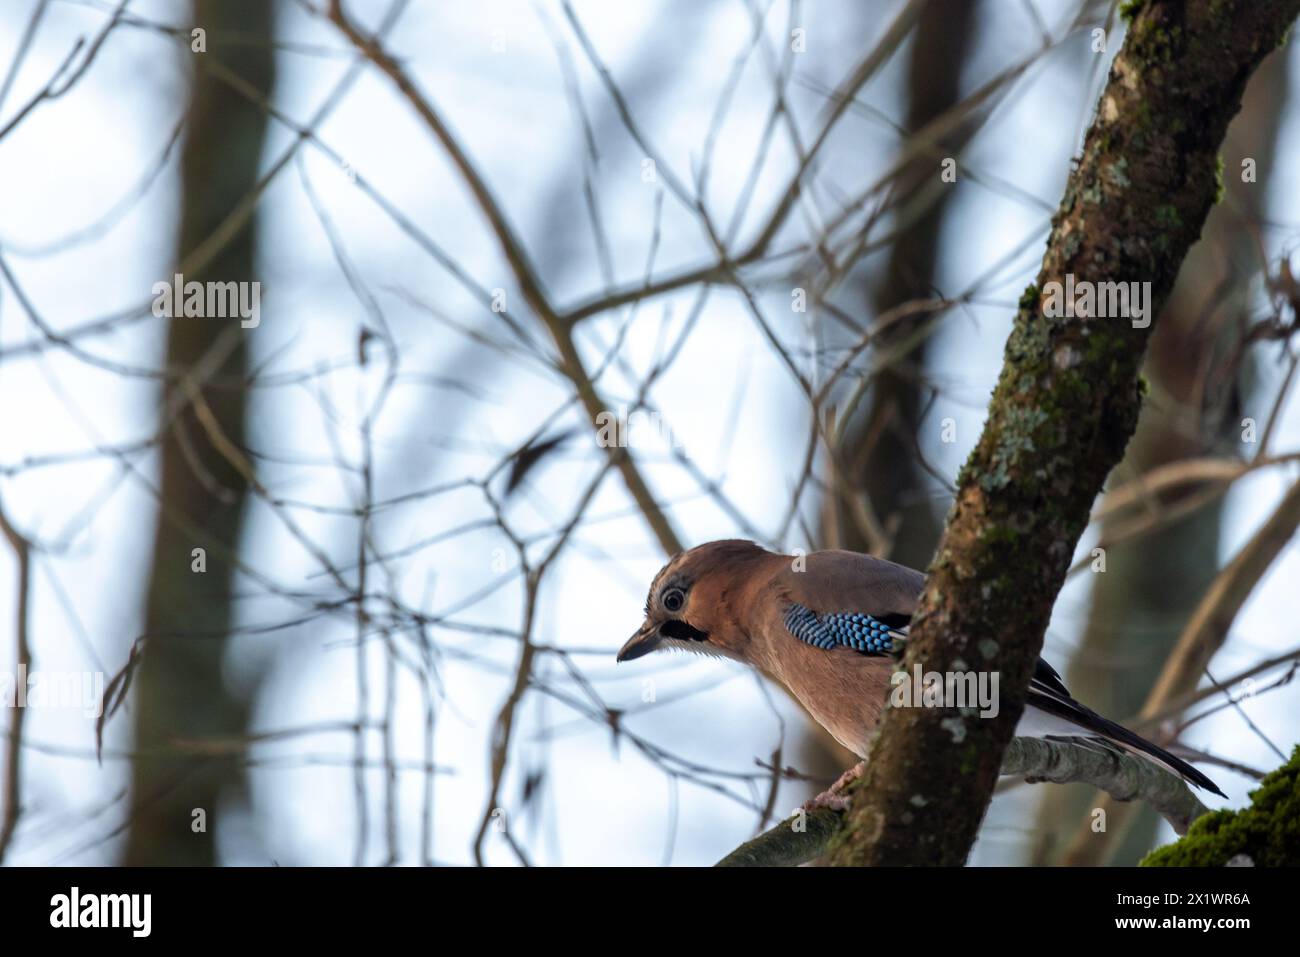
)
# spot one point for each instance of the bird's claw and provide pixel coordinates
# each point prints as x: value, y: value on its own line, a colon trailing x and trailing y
x: 833, y: 797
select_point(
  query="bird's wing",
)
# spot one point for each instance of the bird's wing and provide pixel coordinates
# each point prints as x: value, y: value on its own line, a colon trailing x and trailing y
x: 838, y: 581
x: 844, y: 599
x: 861, y: 632
x: 850, y: 600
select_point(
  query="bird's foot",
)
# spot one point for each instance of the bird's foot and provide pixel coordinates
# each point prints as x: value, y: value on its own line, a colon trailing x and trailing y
x: 833, y: 797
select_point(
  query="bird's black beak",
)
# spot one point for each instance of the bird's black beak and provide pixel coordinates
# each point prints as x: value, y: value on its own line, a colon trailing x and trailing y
x: 646, y: 640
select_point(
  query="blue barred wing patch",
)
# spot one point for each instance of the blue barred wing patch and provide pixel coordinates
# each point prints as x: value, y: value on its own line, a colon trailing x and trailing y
x: 851, y: 629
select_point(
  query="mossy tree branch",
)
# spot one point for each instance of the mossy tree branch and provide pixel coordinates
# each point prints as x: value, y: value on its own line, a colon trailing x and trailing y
x: 806, y: 835
x: 1265, y: 834
x: 1060, y: 417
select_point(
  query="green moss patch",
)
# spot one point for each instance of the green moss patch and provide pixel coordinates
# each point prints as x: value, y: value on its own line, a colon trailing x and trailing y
x: 1268, y: 832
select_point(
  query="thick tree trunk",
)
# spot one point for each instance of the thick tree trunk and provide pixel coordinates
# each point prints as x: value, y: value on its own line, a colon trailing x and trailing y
x: 1153, y: 582
x: 180, y: 693
x: 1060, y: 417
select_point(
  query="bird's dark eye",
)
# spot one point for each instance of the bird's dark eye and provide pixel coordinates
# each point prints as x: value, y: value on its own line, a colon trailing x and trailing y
x: 673, y: 599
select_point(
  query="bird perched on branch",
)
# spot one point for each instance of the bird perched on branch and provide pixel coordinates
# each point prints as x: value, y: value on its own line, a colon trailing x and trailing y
x: 826, y: 626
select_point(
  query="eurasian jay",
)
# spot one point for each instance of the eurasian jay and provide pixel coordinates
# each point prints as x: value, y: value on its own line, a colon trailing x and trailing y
x: 825, y: 626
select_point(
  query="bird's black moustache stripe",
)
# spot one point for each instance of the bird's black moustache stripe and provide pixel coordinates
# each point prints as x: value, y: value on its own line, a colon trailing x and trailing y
x: 682, y: 631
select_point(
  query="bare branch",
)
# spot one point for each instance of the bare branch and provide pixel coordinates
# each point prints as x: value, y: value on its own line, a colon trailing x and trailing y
x: 806, y: 836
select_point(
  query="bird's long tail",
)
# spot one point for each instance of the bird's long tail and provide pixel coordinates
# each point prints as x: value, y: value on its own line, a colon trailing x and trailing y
x: 1048, y: 694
